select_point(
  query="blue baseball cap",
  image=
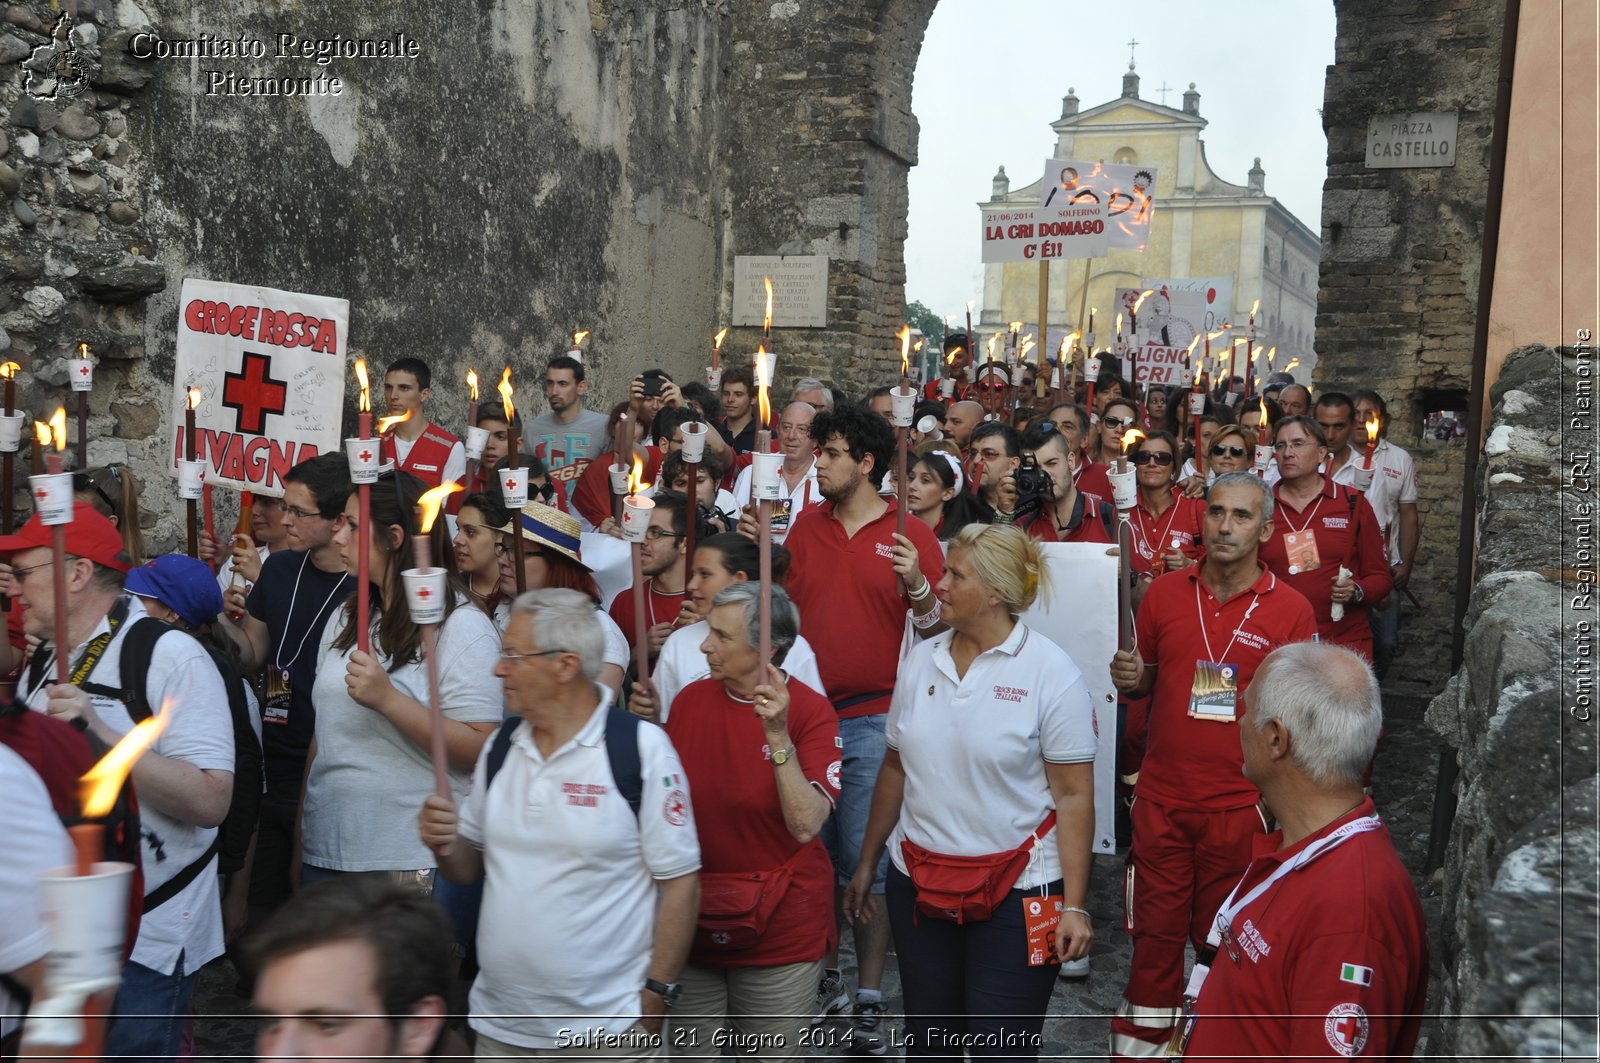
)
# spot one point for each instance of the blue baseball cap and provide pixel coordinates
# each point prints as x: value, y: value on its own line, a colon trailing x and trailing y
x: 181, y: 583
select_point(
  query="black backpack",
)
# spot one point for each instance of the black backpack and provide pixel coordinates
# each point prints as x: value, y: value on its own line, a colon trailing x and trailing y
x: 232, y: 840
x: 622, y: 752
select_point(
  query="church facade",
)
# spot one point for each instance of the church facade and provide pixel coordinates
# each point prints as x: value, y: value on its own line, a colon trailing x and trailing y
x: 1204, y: 226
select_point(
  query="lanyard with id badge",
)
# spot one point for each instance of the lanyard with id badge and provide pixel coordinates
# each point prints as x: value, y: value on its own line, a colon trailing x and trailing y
x: 279, y: 695
x: 1041, y: 914
x: 1300, y: 544
x: 1214, y: 693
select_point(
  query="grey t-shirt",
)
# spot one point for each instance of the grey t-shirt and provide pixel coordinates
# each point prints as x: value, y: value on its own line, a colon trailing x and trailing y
x: 581, y: 441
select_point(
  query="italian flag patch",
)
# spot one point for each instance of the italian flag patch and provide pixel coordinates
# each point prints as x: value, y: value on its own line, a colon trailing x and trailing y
x: 1355, y: 974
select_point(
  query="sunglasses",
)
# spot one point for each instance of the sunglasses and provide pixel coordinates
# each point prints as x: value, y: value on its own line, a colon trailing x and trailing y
x: 1233, y: 452
x: 1146, y: 457
x: 1116, y: 422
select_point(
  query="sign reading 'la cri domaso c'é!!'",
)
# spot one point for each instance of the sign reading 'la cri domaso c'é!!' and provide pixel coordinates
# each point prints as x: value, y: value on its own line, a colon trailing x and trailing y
x: 1396, y: 141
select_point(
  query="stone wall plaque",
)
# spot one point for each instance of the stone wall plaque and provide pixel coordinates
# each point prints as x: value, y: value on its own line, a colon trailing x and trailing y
x: 799, y: 290
x: 1400, y: 141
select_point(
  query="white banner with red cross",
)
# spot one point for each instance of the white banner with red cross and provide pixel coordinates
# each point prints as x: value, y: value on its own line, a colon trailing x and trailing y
x: 270, y: 369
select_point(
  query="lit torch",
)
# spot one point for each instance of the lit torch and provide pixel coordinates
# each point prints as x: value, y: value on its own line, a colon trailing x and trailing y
x: 82, y: 370
x: 1133, y: 330
x: 510, y: 475
x: 425, y: 592
x: 761, y: 486
x: 1374, y: 426
x: 472, y: 397
x: 13, y: 440
x: 361, y: 455
x: 716, y: 350
x: 1126, y: 492
x: 637, y: 509
x: 1250, y: 347
x: 766, y: 320
x: 902, y: 401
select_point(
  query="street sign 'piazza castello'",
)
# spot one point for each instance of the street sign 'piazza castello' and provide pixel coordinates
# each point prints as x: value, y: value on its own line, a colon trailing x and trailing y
x: 1396, y: 141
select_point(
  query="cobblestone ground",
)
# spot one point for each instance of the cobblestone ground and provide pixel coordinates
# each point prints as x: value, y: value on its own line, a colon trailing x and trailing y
x: 1080, y: 1012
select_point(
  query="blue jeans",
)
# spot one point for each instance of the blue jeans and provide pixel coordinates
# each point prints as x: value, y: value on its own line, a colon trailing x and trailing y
x: 864, y: 747
x: 968, y: 986
x: 149, y: 1013
x: 1385, y: 633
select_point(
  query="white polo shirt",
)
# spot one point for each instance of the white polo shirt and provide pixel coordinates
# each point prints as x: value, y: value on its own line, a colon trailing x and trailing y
x: 682, y: 663
x: 569, y: 902
x: 1394, y: 482
x: 974, y: 747
x: 789, y: 507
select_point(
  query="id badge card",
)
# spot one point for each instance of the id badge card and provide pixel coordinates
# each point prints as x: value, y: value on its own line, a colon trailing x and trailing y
x: 782, y: 513
x: 1042, y: 915
x: 1301, y: 546
x: 275, y: 706
x: 1215, y: 693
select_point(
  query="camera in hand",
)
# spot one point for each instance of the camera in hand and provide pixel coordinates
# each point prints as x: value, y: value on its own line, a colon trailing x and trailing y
x: 1033, y: 486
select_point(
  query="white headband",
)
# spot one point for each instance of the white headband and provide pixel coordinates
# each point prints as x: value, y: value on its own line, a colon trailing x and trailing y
x: 955, y: 466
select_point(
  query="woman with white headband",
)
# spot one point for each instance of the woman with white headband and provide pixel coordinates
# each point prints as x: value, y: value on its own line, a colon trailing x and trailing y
x: 938, y: 492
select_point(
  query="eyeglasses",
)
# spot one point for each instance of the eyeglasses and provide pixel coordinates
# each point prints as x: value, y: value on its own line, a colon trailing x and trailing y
x: 1116, y: 422
x: 1234, y: 452
x: 1303, y: 444
x: 18, y: 573
x: 1146, y: 457
x: 303, y: 514
x: 511, y: 655
x: 661, y: 533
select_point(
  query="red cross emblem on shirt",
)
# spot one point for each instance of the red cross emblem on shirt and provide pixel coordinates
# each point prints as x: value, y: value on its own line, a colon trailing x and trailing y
x: 1347, y: 1028
x: 253, y: 393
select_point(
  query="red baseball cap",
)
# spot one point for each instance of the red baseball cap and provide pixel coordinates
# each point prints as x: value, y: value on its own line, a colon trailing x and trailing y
x: 90, y: 535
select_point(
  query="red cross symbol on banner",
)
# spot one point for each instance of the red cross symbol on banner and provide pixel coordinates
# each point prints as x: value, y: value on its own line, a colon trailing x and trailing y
x: 253, y: 393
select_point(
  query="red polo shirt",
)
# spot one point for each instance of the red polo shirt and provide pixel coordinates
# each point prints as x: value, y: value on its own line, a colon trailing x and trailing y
x: 1178, y: 525
x: 1086, y: 526
x: 737, y: 811
x: 1333, y: 957
x: 1347, y: 534
x: 852, y: 609
x: 1091, y: 478
x: 1194, y: 763
x: 659, y: 608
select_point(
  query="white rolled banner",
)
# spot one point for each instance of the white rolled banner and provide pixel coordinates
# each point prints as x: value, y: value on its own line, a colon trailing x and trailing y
x: 694, y: 441
x: 1124, y: 487
x: 766, y: 483
x: 425, y: 592
x: 1336, y: 609
x: 1091, y: 370
x: 713, y: 378
x: 87, y: 917
x: 636, y: 510
x: 902, y: 404
x: 191, y: 479
x: 619, y: 479
x: 514, y: 488
x: 477, y: 439
x: 1363, y: 478
x: 80, y: 371
x: 363, y: 457
x: 11, y: 432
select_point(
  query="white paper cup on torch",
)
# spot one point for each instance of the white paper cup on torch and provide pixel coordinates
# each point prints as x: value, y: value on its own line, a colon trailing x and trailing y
x: 713, y: 378
x: 619, y: 479
x: 1263, y: 459
x: 362, y: 454
x: 191, y: 479
x: 425, y: 593
x: 477, y: 439
x: 86, y: 916
x: 80, y: 371
x: 514, y: 488
x: 694, y: 441
x: 902, y: 404
x: 11, y: 432
x: 1363, y: 478
x: 1197, y: 403
x: 636, y: 510
x: 1124, y: 487
x: 766, y: 484
x: 1091, y: 370
x: 947, y: 386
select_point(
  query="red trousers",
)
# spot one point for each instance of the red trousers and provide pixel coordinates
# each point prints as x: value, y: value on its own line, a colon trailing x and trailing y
x: 1182, y: 864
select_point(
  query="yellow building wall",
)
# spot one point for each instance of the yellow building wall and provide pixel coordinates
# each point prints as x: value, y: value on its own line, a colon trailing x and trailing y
x: 1215, y: 250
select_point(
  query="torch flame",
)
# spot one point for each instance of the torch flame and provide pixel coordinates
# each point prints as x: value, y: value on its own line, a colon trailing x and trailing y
x: 1254, y: 307
x: 194, y: 398
x: 429, y: 504
x: 1192, y: 345
x: 762, y: 383
x: 1061, y: 351
x: 41, y: 432
x: 1147, y: 293
x: 716, y: 341
x: 1373, y: 424
x: 904, y: 336
x: 921, y: 340
x: 10, y: 370
x: 98, y: 787
x: 1272, y: 353
x: 1129, y: 438
x: 386, y: 423
x: 992, y: 340
x: 58, y: 427
x: 950, y: 359
x: 766, y: 321
x: 636, y: 476
x: 1199, y: 365
x: 578, y: 338
x: 1027, y: 345
x: 83, y: 351
x: 472, y: 383
x: 505, y: 389
x: 364, y: 404
x: 1119, y: 323
x: 1016, y: 327
x: 970, y: 304
x: 1292, y: 363
x: 1223, y: 331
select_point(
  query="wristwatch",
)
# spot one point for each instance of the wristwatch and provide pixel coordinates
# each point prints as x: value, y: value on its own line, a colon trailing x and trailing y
x: 667, y: 991
x: 781, y: 757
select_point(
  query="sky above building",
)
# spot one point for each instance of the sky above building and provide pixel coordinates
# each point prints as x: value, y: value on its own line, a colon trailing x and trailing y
x: 991, y: 76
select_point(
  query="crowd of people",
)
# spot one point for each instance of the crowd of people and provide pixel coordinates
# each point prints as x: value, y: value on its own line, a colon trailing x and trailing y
x: 622, y: 865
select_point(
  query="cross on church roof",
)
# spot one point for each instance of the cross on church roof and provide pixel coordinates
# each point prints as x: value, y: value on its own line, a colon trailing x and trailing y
x: 1131, y: 46
x: 1164, y: 90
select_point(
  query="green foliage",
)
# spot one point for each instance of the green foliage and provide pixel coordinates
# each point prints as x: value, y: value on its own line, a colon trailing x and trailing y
x: 931, y: 324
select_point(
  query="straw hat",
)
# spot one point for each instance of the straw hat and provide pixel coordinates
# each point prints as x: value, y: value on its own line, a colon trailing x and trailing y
x: 550, y: 527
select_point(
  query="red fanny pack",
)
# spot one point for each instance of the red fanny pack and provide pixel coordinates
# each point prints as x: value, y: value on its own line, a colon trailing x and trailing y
x: 967, y: 889
x: 736, y: 906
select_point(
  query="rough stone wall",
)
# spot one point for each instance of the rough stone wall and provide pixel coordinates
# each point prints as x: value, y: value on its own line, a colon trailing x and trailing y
x: 1400, y: 258
x: 1518, y: 927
